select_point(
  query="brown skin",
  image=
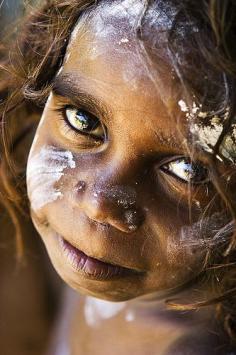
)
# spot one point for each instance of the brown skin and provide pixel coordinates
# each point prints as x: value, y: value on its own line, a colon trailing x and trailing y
x: 141, y: 123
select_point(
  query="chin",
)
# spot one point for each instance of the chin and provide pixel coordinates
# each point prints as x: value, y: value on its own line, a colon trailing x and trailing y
x: 116, y: 290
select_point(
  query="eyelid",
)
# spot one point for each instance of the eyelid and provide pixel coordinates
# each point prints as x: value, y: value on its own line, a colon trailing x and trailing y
x: 66, y: 102
x: 62, y: 112
x: 85, y: 102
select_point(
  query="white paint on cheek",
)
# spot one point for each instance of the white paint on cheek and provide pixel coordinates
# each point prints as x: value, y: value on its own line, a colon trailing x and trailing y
x: 44, y: 170
x: 96, y: 310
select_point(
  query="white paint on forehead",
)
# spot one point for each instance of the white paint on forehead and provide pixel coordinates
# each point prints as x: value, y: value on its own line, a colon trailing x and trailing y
x: 103, y: 22
x: 44, y: 170
x: 124, y: 40
x: 96, y: 310
x: 126, y: 9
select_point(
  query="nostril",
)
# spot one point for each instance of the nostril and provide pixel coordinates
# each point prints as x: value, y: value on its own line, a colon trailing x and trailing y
x: 80, y: 186
x: 132, y: 220
x: 114, y: 206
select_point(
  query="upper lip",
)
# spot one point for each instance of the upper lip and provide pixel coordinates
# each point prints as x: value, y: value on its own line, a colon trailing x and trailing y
x: 103, y: 259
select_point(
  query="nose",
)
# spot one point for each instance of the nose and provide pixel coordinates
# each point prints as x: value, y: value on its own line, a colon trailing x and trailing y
x: 112, y: 205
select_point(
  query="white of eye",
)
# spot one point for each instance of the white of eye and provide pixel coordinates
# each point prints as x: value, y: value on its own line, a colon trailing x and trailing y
x: 187, y: 171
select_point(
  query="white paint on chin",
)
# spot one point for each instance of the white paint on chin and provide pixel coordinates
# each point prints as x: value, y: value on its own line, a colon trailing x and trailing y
x: 96, y: 310
x: 44, y: 170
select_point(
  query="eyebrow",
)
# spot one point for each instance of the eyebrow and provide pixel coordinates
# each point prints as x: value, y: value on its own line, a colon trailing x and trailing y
x: 69, y: 86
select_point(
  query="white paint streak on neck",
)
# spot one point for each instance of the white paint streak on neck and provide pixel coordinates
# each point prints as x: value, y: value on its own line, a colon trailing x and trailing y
x: 96, y: 310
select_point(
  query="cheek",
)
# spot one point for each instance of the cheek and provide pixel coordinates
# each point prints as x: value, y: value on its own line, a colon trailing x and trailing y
x: 44, y: 172
x: 194, y: 242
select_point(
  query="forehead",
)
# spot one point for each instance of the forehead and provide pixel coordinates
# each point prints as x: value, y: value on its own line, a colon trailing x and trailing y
x: 105, y: 51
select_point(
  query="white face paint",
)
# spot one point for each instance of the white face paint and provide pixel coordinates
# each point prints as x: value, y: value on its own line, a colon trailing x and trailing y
x: 228, y: 146
x: 119, y: 22
x: 207, y: 133
x: 122, y: 196
x: 44, y: 170
x: 96, y: 310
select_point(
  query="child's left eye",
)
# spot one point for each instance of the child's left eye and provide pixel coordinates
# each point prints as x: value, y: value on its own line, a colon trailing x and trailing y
x: 84, y: 122
x: 187, y: 171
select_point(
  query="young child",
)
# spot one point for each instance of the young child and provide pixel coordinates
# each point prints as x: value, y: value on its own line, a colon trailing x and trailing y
x: 130, y: 176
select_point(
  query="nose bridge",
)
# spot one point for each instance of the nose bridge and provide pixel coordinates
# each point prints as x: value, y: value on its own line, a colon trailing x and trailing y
x: 124, y: 168
x: 111, y: 196
x: 120, y: 178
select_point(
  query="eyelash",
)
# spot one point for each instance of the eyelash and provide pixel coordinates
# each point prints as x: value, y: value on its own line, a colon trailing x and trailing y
x: 74, y: 133
x: 164, y: 168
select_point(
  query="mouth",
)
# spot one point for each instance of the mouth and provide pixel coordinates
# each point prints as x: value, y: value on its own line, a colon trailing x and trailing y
x: 92, y: 267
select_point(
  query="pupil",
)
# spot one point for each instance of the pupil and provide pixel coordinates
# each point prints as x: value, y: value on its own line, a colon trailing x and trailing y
x: 83, y: 120
x: 86, y: 121
x: 197, y: 173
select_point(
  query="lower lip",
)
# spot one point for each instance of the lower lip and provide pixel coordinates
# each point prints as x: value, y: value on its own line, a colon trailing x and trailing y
x: 89, y: 266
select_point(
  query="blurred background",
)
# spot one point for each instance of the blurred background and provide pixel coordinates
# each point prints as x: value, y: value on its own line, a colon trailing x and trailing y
x: 10, y: 10
x: 30, y: 291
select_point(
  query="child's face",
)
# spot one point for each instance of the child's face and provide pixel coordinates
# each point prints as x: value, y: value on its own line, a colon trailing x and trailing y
x: 124, y: 199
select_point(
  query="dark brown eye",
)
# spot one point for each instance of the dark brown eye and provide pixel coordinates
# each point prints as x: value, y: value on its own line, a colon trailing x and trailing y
x: 187, y: 171
x: 84, y: 122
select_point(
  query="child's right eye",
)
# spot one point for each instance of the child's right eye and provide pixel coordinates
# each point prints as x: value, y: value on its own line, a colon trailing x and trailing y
x: 84, y: 123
